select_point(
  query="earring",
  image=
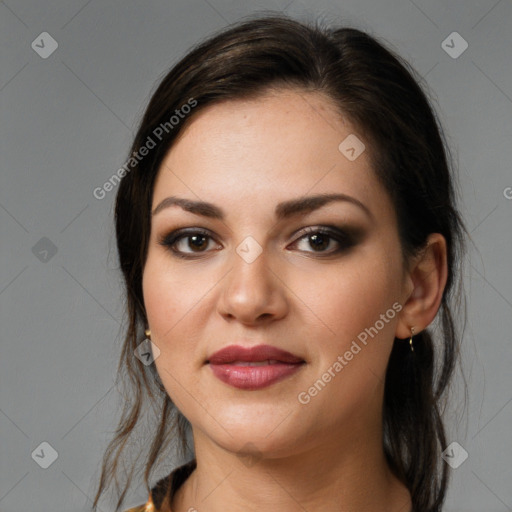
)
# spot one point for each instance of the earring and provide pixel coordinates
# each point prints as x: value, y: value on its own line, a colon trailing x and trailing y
x: 147, y: 332
x: 410, y: 339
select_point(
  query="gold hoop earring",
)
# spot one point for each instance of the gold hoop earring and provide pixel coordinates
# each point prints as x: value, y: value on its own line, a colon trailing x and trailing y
x: 410, y: 339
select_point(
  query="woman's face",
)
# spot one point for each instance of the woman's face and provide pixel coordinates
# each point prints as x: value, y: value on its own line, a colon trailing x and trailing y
x: 324, y: 283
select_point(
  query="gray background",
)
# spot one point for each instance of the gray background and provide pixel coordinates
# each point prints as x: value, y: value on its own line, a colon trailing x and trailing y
x: 66, y: 125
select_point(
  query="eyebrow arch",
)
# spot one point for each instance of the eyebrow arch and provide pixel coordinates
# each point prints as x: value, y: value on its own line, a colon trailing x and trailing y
x: 283, y: 210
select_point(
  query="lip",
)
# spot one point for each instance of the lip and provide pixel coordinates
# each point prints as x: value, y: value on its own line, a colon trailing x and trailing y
x: 233, y: 353
x: 228, y: 366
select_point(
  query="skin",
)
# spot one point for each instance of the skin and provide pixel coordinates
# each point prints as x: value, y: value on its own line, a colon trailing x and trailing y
x: 263, y: 449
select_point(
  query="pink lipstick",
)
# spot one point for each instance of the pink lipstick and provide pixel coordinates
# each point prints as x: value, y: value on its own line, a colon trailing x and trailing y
x: 253, y: 368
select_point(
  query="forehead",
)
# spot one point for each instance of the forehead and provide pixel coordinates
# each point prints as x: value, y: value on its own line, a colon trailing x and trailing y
x: 283, y: 124
x: 277, y: 146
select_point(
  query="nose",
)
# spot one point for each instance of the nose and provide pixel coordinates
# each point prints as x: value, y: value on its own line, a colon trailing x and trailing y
x: 253, y: 293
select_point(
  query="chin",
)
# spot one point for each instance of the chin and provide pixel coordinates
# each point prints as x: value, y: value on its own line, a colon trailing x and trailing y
x: 267, y: 434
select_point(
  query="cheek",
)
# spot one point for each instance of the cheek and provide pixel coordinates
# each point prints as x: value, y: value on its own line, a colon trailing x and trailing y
x: 344, y: 300
x: 357, y: 307
x: 175, y: 302
x: 170, y: 296
x: 167, y: 300
x: 160, y: 299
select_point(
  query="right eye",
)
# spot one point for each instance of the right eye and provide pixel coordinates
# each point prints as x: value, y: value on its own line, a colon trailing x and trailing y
x: 196, y: 240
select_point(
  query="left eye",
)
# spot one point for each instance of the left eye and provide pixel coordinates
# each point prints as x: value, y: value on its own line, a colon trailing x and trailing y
x: 322, y: 239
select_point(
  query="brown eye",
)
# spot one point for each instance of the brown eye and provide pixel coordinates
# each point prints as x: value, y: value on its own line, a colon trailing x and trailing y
x: 198, y: 242
x: 319, y: 241
x: 322, y: 240
x: 182, y: 243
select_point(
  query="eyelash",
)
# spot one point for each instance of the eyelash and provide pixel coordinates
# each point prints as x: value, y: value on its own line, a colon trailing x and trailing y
x: 344, y: 240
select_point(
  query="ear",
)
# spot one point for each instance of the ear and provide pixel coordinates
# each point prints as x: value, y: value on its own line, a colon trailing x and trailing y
x: 423, y: 287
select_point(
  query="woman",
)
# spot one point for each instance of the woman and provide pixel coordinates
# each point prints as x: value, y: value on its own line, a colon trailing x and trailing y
x: 287, y: 231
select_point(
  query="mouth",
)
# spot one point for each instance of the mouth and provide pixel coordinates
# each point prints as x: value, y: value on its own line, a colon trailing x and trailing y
x: 253, y: 368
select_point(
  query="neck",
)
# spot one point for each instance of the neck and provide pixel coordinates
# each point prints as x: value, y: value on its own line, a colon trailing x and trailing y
x: 336, y: 473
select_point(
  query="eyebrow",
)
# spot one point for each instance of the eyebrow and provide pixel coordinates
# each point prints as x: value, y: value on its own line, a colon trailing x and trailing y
x: 283, y: 210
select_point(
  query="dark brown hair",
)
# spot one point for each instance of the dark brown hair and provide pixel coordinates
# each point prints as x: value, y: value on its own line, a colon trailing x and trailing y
x: 384, y: 98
